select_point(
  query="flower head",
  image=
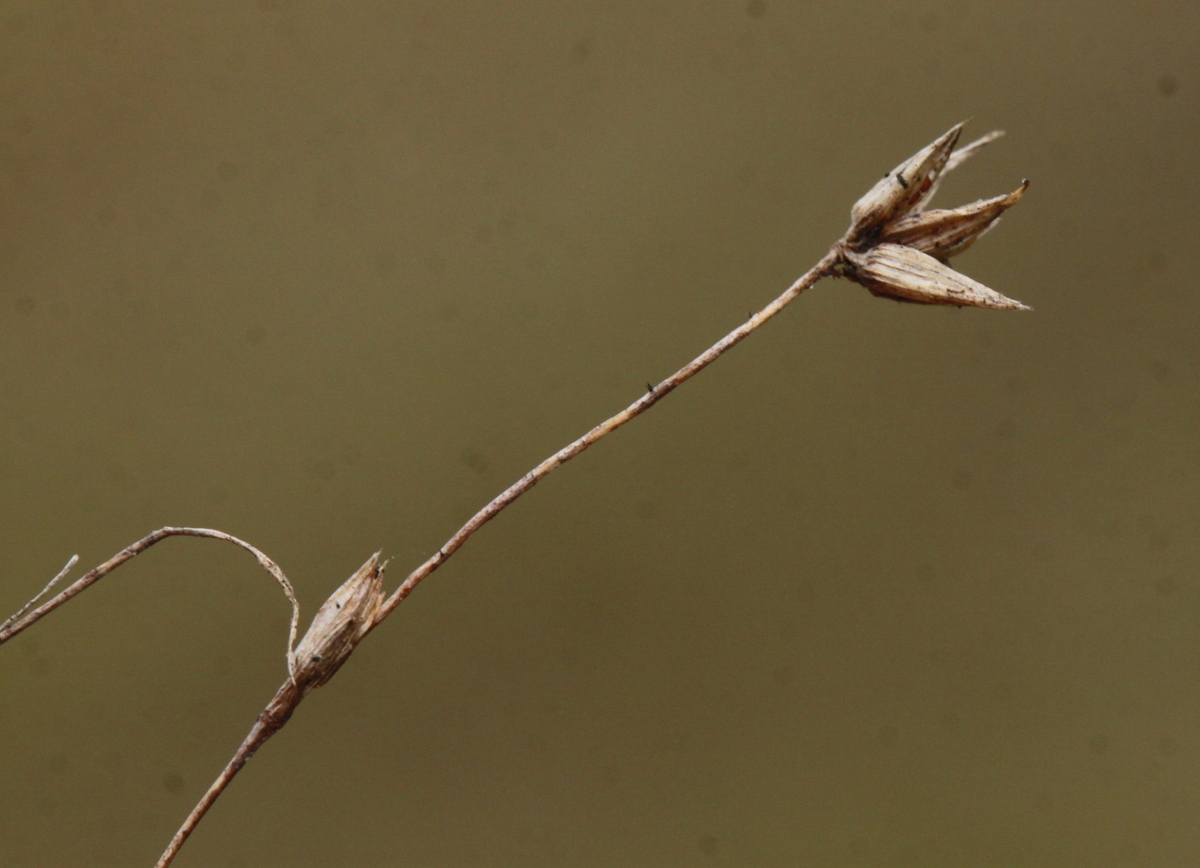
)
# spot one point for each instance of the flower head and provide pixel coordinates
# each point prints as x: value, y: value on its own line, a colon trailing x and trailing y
x: 896, y: 248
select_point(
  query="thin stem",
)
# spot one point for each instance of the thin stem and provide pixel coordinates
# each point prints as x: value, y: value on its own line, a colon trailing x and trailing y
x: 43, y: 592
x: 822, y: 269
x: 21, y: 621
x: 269, y: 722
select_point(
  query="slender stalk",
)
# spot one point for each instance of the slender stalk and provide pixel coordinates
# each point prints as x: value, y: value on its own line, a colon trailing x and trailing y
x: 822, y: 269
x: 269, y: 722
x: 16, y: 616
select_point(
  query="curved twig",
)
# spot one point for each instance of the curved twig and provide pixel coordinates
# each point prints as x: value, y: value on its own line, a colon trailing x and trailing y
x: 24, y: 618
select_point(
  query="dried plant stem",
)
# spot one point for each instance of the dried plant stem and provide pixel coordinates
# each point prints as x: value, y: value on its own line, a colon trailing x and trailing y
x: 894, y: 247
x: 288, y: 697
x: 16, y: 616
x: 20, y: 621
x: 653, y: 395
x: 269, y: 722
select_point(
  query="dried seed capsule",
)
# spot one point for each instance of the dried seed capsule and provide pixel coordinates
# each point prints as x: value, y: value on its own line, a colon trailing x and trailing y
x: 901, y: 189
x: 901, y: 272
x: 945, y: 233
x: 341, y: 622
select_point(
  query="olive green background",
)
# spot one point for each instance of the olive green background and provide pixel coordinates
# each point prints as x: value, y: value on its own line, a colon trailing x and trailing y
x: 887, y: 585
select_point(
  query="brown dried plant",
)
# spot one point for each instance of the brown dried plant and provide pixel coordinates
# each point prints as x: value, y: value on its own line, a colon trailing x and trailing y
x: 894, y: 247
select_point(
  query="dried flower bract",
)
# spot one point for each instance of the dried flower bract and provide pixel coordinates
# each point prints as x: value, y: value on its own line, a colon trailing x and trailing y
x: 902, y: 189
x: 946, y: 232
x: 902, y: 272
x: 339, y: 625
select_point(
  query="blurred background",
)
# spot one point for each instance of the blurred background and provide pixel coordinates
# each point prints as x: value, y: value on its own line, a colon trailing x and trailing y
x: 887, y: 585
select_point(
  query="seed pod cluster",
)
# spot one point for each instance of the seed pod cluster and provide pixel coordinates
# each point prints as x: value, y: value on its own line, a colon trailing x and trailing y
x: 895, y: 248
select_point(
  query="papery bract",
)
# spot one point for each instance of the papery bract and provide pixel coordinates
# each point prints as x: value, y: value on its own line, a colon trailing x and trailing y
x: 942, y: 233
x: 904, y: 273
